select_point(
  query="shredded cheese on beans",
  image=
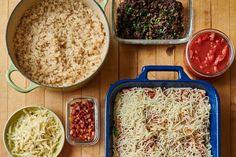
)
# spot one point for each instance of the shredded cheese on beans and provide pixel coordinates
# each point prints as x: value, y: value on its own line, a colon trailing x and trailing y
x: 156, y: 122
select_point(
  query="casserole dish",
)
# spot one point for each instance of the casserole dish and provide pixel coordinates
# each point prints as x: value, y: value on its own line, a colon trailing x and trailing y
x: 183, y: 81
x: 188, y: 26
x: 14, y: 19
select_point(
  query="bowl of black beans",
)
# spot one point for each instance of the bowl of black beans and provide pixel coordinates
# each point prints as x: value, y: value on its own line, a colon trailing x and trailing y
x: 152, y: 21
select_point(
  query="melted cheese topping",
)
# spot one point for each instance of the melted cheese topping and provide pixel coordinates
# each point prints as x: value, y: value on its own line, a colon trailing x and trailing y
x: 153, y: 122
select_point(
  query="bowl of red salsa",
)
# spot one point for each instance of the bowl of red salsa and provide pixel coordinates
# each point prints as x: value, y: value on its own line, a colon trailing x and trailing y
x: 209, y: 53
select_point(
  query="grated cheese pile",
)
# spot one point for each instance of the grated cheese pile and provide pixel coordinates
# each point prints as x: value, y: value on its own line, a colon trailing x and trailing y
x: 156, y: 122
x: 35, y: 134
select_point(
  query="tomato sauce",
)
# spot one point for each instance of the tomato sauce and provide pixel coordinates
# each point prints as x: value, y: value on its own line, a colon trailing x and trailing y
x: 209, y: 53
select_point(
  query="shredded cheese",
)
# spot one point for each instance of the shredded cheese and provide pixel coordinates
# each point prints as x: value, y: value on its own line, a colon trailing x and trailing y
x: 35, y: 134
x: 156, y: 122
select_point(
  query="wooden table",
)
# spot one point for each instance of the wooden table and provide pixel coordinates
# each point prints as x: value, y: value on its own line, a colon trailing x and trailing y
x: 126, y: 61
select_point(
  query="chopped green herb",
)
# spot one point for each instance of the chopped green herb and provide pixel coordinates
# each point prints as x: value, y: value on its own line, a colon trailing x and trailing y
x: 145, y: 28
x: 128, y: 9
x: 115, y: 132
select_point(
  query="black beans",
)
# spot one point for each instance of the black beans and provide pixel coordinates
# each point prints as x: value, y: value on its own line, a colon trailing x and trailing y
x: 150, y: 19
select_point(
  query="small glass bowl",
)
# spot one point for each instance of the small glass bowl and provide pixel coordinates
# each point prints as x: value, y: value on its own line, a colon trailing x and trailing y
x: 198, y: 73
x: 188, y: 27
x: 69, y: 139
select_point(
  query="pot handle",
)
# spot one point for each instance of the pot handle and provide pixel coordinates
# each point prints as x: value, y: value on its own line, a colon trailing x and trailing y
x: 103, y: 4
x: 31, y: 87
x: 179, y: 69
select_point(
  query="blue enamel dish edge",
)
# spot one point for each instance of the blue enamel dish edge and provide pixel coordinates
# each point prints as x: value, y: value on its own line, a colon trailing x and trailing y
x: 184, y: 81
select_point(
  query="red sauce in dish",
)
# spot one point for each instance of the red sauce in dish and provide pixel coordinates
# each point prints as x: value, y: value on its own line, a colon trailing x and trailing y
x: 209, y: 53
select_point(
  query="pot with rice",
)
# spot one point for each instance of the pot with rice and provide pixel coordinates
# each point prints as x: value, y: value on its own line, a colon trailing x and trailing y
x: 57, y: 44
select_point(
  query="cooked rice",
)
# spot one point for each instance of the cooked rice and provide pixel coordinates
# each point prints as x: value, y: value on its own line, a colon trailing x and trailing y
x: 59, y: 42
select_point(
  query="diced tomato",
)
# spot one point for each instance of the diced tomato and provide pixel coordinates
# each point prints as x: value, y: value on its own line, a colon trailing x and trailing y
x: 151, y: 93
x: 199, y: 41
x: 212, y: 55
x: 225, y: 50
x: 198, y: 59
x: 205, y: 62
x: 191, y: 54
x: 212, y: 51
x: 218, y: 59
x: 211, y: 44
x: 212, y: 36
x: 211, y: 58
x: 204, y: 38
x: 215, y: 68
x: 205, y: 65
x: 222, y: 40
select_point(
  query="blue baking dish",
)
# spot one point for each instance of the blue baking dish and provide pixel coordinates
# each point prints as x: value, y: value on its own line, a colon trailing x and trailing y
x: 183, y: 81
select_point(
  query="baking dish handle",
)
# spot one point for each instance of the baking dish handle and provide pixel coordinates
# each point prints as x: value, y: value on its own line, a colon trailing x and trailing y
x: 31, y: 87
x: 103, y: 4
x: 179, y: 69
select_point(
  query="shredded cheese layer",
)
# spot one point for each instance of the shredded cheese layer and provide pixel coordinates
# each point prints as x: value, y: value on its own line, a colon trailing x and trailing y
x: 156, y: 122
x: 35, y: 134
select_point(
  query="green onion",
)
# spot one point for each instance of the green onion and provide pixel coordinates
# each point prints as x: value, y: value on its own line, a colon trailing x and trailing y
x: 115, y: 132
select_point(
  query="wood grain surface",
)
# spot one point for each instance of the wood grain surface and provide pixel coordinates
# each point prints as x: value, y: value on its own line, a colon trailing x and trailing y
x: 126, y: 61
